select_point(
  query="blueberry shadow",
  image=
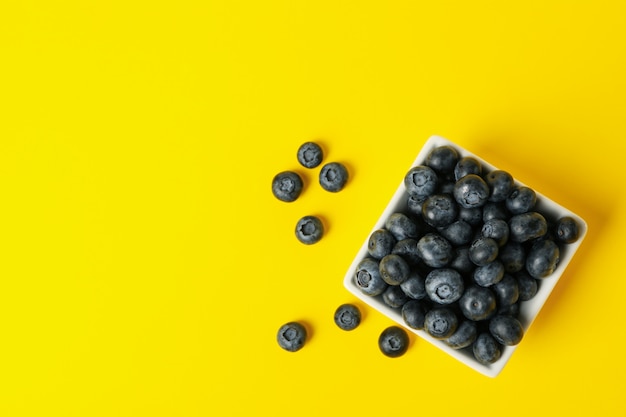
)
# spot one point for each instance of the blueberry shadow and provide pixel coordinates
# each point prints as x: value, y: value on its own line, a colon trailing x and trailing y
x: 310, y: 332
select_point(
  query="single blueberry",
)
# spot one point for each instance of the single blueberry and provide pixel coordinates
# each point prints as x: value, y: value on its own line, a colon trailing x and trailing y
x: 420, y: 181
x: 333, y: 177
x: 461, y: 261
x: 444, y: 286
x: 521, y: 200
x: 393, y: 341
x: 526, y: 226
x: 367, y: 277
x: 496, y: 229
x: 500, y: 185
x: 527, y: 285
x: 542, y: 259
x: 442, y: 159
x: 414, y: 204
x: 380, y: 243
x: 506, y: 329
x: 471, y: 191
x: 493, y: 211
x: 401, y: 226
x: 567, y: 230
x: 477, y: 303
x: 483, y: 250
x: 486, y: 349
x: 287, y: 186
x: 440, y: 322
x: 394, y: 297
x: 439, y: 210
x: 414, y: 313
x: 393, y: 269
x: 435, y: 250
x: 506, y: 291
x: 415, y: 286
x: 464, y: 335
x: 309, y: 230
x: 310, y: 154
x: 467, y: 165
x: 471, y: 215
x: 347, y: 317
x: 291, y: 336
x: 489, y: 274
x: 458, y: 233
x: 407, y: 249
x: 513, y: 256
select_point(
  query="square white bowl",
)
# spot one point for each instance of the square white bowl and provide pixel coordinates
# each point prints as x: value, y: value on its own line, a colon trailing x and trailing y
x: 528, y: 309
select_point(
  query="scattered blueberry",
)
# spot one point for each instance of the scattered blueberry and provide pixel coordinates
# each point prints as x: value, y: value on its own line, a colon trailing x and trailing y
x: 291, y: 336
x: 310, y: 154
x: 309, y: 230
x: 333, y: 177
x: 393, y: 341
x: 287, y: 186
x: 347, y: 317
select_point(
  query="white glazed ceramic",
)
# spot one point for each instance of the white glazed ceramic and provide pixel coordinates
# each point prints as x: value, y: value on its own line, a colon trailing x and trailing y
x: 528, y: 309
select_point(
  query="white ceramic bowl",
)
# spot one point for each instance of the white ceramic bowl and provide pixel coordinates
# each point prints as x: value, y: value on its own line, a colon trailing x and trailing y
x: 528, y: 309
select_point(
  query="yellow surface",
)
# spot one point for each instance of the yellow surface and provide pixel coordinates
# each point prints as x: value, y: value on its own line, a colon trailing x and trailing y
x: 146, y: 266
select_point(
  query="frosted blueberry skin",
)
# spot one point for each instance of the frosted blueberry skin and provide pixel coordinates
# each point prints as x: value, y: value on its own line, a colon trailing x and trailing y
x: 542, y: 259
x: 380, y: 243
x: 521, y: 200
x: 393, y: 341
x: 506, y: 329
x: 483, y: 251
x: 444, y: 286
x: 367, y: 277
x: 310, y: 155
x: 466, y: 166
x: 435, y: 250
x: 464, y: 335
x: 500, y: 185
x: 401, y: 226
x: 287, y: 186
x: 471, y: 191
x: 441, y: 322
x: 394, y: 297
x: 506, y: 291
x: 309, y: 230
x: 442, y: 159
x: 291, y: 336
x: 478, y: 303
x: 439, y: 210
x: 394, y: 269
x: 486, y: 349
x: 567, y: 230
x: 421, y: 181
x: 414, y: 313
x: 333, y: 177
x: 347, y: 317
x: 415, y: 286
x: 526, y: 226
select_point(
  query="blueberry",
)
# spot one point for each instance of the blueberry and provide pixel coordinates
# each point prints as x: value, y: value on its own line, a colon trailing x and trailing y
x: 347, y: 317
x: 486, y: 349
x: 442, y: 159
x: 513, y: 256
x: 510, y: 310
x: 477, y: 303
x: 444, y: 286
x: 333, y: 177
x: 542, y: 259
x: 567, y: 230
x: 489, y: 274
x: 439, y: 210
x: 393, y: 341
x: 526, y: 226
x: 496, y: 229
x: 440, y: 322
x: 415, y: 286
x: 506, y: 291
x: 471, y: 191
x: 435, y: 250
x: 291, y: 336
x: 473, y: 215
x: 464, y: 335
x: 393, y: 269
x: 483, y: 250
x: 414, y: 313
x: 461, y: 261
x: 407, y: 249
x: 287, y: 186
x: 367, y: 277
x: 414, y: 204
x: 401, y: 226
x: 394, y: 297
x: 521, y: 200
x: 380, y: 243
x: 527, y: 285
x: 310, y: 154
x: 506, y: 329
x: 500, y: 185
x: 458, y: 233
x: 467, y: 165
x: 309, y: 230
x: 420, y: 181
x: 493, y: 211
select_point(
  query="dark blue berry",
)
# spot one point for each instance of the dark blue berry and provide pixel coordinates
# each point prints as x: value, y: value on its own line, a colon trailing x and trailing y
x: 393, y: 341
x: 506, y: 329
x: 464, y: 335
x: 309, y: 230
x: 444, y: 285
x: 493, y: 211
x: 407, y: 249
x: 367, y: 277
x: 394, y: 297
x: 401, y: 226
x: 347, y: 317
x: 473, y: 215
x: 380, y: 243
x: 500, y: 185
x: 310, y: 154
x: 442, y: 159
x: 521, y: 200
x: 483, y: 250
x: 414, y: 313
x: 291, y: 336
x: 440, y: 322
x: 506, y: 291
x: 477, y: 303
x: 435, y: 250
x: 393, y: 269
x: 513, y: 256
x: 467, y: 165
x: 489, y: 274
x: 287, y: 186
x: 486, y: 349
x: 527, y: 285
x: 496, y: 229
x: 542, y: 259
x: 526, y: 226
x: 333, y: 177
x: 471, y: 191
x: 439, y: 210
x: 458, y: 233
x: 415, y: 203
x: 420, y: 181
x: 567, y: 230
x: 461, y: 261
x: 415, y: 286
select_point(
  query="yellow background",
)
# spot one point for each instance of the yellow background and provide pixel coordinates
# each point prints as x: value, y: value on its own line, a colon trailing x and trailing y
x: 146, y: 266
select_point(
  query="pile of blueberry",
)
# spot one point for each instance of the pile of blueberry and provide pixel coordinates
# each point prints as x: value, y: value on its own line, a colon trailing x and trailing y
x: 287, y: 186
x: 468, y: 249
